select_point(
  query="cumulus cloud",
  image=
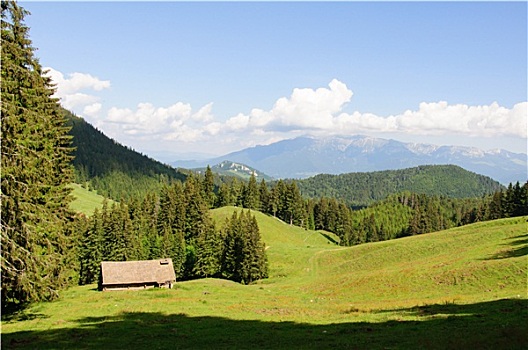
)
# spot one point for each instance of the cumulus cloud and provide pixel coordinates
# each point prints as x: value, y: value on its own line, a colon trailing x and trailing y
x: 320, y: 112
x: 76, y: 82
x: 317, y: 111
x: 304, y: 109
x: 92, y: 109
x: 69, y: 88
x: 176, y: 122
x: 440, y: 118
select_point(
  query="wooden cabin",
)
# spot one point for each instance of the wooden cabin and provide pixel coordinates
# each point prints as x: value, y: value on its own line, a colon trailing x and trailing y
x: 123, y: 275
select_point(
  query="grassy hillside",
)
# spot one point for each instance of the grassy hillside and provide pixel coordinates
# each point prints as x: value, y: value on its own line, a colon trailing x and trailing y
x: 461, y: 288
x: 85, y: 201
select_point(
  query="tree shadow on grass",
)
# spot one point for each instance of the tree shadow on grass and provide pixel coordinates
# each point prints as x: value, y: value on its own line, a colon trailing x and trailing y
x: 516, y: 247
x: 329, y: 238
x: 499, y: 324
x: 21, y: 315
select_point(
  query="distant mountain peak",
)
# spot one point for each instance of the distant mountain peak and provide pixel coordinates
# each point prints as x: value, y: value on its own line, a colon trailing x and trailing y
x: 236, y: 169
x: 307, y: 156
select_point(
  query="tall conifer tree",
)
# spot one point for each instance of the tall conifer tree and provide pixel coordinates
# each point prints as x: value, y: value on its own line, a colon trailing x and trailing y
x: 36, y: 168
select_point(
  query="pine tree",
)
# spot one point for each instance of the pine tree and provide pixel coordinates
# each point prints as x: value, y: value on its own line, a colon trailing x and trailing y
x: 244, y: 256
x: 250, y: 195
x: 224, y: 197
x: 171, y: 223
x: 209, y: 250
x: 274, y: 200
x: 264, y: 196
x: 254, y: 263
x: 320, y: 213
x: 91, y: 250
x: 232, y: 253
x: 495, y: 206
x: 35, y: 149
x: 195, y: 209
x: 208, y: 187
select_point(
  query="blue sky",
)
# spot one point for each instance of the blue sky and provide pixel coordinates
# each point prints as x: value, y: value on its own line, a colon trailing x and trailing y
x: 172, y: 79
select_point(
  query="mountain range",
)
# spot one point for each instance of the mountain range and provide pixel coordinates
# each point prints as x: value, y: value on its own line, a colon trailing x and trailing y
x: 304, y: 157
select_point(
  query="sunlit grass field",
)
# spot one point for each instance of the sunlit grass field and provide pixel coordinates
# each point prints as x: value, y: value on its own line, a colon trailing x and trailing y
x: 85, y: 201
x: 462, y: 288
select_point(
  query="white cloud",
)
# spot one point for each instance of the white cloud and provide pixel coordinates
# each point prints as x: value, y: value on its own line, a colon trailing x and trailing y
x: 77, y: 100
x: 304, y: 109
x: 68, y: 90
x: 92, y: 110
x: 314, y: 111
x: 440, y: 118
x: 75, y: 82
x: 176, y: 122
x: 319, y: 112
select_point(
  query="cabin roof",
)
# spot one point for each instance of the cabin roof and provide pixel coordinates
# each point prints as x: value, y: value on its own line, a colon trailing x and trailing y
x: 142, y: 271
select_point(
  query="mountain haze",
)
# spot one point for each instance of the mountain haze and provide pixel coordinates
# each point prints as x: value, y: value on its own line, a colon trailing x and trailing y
x: 304, y: 157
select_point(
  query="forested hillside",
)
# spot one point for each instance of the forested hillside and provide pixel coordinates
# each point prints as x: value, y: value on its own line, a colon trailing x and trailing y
x: 114, y: 170
x: 361, y: 189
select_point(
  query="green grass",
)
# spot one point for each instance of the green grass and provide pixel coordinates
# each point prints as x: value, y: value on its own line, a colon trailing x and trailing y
x: 85, y: 201
x: 462, y: 288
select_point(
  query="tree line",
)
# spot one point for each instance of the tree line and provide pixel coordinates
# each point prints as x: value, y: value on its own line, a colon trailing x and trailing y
x: 175, y: 224
x: 398, y: 215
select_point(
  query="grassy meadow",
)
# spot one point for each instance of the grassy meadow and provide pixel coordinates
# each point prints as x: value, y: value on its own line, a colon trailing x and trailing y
x: 462, y: 288
x: 85, y: 201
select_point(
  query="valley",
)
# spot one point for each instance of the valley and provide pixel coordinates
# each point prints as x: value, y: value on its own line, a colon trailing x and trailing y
x: 462, y: 288
x: 297, y: 241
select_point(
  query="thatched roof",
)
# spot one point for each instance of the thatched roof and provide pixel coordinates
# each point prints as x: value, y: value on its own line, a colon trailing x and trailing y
x: 137, y: 272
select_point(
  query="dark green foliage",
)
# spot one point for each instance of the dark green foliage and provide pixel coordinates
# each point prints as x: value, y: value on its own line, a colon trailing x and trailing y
x: 112, y: 169
x: 36, y: 153
x: 254, y: 263
x: 251, y: 195
x: 264, y: 196
x: 91, y: 250
x: 224, y: 198
x: 196, y: 210
x: 244, y: 259
x: 176, y: 224
x: 171, y: 224
x: 509, y: 203
x: 362, y: 189
x: 209, y: 251
x: 209, y: 187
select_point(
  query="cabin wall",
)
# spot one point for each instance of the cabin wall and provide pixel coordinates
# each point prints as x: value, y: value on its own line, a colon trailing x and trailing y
x: 137, y: 286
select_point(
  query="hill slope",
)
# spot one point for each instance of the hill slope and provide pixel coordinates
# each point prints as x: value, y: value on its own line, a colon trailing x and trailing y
x: 476, y: 261
x: 113, y: 169
x: 366, y: 188
x: 465, y: 286
x: 85, y: 201
x: 305, y: 156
